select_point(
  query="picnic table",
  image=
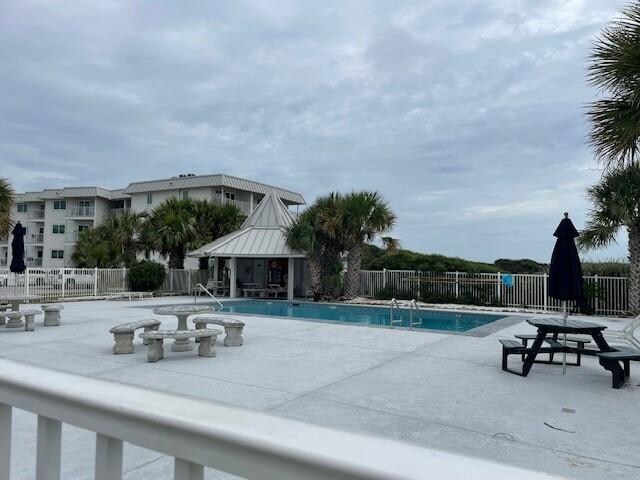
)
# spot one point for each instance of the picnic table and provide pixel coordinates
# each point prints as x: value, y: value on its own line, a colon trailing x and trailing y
x: 557, y: 326
x: 182, y: 312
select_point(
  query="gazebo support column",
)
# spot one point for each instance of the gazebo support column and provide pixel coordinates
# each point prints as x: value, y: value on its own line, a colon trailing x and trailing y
x: 216, y: 263
x: 233, y: 266
x: 291, y: 278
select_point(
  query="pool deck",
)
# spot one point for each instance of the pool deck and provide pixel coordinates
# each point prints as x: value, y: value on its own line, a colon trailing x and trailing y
x: 437, y: 390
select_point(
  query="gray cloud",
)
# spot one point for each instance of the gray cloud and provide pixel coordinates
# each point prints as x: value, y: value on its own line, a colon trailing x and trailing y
x: 468, y: 117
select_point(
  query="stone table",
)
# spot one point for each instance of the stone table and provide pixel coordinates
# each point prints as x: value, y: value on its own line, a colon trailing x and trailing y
x: 182, y: 312
x: 15, y: 301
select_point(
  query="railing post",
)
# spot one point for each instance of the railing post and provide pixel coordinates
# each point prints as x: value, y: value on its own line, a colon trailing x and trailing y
x: 171, y: 279
x: 26, y: 281
x: 124, y: 279
x: 544, y: 292
x: 384, y: 278
x: 189, y: 281
x: 185, y: 470
x: 596, y: 305
x: 108, y: 458
x: 5, y: 441
x: 48, y: 449
x: 64, y: 281
x: 457, y: 284
x: 499, y: 287
x: 95, y: 282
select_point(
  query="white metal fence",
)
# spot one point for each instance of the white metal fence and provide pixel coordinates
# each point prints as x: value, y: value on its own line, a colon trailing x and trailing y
x: 53, y: 284
x: 201, y: 434
x: 603, y: 295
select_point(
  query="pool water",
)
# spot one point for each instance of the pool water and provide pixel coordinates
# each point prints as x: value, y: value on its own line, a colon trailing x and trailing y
x: 365, y: 315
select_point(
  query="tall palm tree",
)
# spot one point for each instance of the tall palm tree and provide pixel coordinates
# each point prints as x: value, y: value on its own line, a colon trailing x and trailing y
x: 315, y: 232
x: 364, y: 216
x: 6, y: 201
x: 94, y: 250
x: 123, y: 232
x: 615, y: 69
x: 172, y: 229
x: 616, y: 205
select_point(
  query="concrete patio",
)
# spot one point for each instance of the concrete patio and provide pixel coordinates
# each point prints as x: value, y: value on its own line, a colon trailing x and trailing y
x: 435, y: 390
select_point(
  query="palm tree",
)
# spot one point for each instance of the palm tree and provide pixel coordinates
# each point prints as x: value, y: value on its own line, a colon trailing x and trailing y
x: 363, y: 216
x: 615, y: 69
x: 93, y: 250
x: 314, y: 232
x: 215, y: 220
x: 172, y: 229
x: 6, y: 202
x: 123, y: 232
x: 616, y: 205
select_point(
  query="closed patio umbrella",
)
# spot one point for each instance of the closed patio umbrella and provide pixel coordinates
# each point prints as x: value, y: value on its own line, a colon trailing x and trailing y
x: 565, y: 271
x: 17, y: 249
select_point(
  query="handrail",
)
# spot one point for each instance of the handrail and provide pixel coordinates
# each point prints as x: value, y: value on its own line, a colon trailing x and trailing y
x: 204, y: 289
x: 199, y: 433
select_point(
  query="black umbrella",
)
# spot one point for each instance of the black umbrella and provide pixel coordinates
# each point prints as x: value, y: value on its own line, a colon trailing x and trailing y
x: 17, y: 249
x: 565, y: 271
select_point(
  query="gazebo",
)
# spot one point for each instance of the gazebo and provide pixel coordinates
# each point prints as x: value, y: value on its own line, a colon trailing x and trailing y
x: 258, y: 252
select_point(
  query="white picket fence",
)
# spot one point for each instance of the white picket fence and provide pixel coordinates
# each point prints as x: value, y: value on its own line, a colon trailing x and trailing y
x: 53, y: 284
x: 605, y: 295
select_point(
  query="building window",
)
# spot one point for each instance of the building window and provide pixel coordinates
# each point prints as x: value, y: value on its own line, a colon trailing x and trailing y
x: 59, y: 204
x: 57, y: 254
x: 58, y: 229
x: 185, y: 194
x: 22, y: 207
x: 149, y: 198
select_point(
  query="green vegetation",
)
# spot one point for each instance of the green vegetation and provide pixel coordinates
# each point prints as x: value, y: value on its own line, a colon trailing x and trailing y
x: 614, y: 69
x: 615, y: 206
x: 172, y: 229
x: 146, y: 276
x: 6, y: 201
x: 337, y: 225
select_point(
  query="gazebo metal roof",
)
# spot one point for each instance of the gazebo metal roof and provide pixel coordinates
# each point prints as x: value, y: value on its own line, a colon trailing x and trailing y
x: 262, y: 235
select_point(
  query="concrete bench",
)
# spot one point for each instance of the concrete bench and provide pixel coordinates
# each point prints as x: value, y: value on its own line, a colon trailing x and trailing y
x: 123, y: 334
x: 52, y: 314
x: 232, y: 328
x: 14, y: 319
x: 156, y: 339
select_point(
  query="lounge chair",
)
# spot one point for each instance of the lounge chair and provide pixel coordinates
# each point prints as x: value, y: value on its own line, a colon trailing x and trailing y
x: 275, y: 289
x: 625, y: 334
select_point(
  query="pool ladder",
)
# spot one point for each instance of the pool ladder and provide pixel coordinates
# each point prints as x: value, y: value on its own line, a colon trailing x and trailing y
x: 412, y: 306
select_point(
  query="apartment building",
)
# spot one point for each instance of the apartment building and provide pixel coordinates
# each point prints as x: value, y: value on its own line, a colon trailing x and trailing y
x: 54, y: 217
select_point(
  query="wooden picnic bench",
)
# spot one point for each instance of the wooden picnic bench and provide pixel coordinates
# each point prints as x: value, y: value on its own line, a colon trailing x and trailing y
x: 156, y: 339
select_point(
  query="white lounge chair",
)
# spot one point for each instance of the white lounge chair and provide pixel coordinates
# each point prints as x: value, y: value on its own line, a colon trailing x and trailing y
x: 625, y: 334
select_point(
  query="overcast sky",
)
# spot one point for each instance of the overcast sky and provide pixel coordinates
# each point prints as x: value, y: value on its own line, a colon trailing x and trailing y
x: 467, y: 116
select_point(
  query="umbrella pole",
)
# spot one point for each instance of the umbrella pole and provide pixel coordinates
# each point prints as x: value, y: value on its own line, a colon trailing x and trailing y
x: 564, y: 350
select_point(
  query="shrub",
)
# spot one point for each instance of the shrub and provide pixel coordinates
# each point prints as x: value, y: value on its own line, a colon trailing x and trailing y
x: 146, y: 276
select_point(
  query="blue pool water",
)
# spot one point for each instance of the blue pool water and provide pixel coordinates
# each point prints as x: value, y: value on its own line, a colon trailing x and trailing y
x: 424, y: 319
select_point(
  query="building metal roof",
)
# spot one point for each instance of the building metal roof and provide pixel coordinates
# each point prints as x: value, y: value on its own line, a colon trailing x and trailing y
x: 81, y: 192
x: 218, y: 180
x: 27, y: 197
x: 262, y: 235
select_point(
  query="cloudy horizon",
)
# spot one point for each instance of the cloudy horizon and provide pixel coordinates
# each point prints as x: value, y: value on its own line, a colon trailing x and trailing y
x: 469, y: 119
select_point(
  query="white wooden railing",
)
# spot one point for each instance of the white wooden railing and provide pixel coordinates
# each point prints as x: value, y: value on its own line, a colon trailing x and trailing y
x: 201, y: 434
x: 610, y: 294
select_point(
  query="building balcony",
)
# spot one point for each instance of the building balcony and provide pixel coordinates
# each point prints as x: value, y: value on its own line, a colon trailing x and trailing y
x: 34, y: 262
x: 34, y: 238
x: 71, y: 237
x: 81, y: 212
x: 3, y: 262
x: 244, y: 206
x: 119, y: 211
x: 36, y: 214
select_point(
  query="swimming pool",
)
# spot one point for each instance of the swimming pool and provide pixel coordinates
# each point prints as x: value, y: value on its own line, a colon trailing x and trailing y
x: 364, y: 315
